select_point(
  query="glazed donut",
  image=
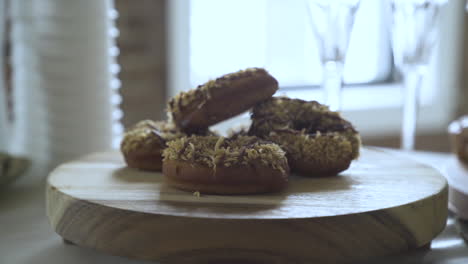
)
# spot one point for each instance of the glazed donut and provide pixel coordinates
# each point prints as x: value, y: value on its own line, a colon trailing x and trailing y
x: 317, y: 141
x: 219, y: 165
x: 220, y: 99
x: 142, y: 145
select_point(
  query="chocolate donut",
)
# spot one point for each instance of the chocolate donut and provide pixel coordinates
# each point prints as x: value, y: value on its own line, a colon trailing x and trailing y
x: 317, y: 141
x: 219, y: 165
x: 220, y: 99
x: 142, y: 145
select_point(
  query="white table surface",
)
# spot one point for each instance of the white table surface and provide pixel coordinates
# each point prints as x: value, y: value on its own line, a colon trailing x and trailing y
x: 26, y: 237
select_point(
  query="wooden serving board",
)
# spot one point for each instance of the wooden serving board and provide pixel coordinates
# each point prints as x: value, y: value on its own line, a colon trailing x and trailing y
x: 382, y: 205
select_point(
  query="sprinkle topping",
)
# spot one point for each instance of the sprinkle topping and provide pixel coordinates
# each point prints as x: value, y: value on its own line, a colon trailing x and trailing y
x: 213, y: 151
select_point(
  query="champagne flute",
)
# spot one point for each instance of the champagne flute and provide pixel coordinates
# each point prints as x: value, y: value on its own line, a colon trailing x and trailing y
x: 414, y: 38
x: 332, y: 22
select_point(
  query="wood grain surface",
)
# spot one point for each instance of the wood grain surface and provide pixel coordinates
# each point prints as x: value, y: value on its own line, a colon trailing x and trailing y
x: 382, y: 205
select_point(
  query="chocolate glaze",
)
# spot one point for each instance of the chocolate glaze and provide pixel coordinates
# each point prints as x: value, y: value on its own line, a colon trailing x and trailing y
x: 267, y: 120
x: 196, y: 109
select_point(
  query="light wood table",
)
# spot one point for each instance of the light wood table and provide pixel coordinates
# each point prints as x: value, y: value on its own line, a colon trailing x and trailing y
x: 26, y: 236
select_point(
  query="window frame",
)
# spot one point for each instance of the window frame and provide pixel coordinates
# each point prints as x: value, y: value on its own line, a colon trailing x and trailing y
x: 371, y: 120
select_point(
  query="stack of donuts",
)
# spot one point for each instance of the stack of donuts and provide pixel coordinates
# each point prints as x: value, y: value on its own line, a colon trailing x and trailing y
x: 285, y: 135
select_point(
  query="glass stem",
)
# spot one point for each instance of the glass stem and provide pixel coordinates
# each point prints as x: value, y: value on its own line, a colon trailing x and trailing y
x: 412, y: 83
x: 4, y: 137
x: 332, y: 83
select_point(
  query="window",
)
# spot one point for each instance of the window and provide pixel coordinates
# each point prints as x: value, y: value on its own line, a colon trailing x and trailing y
x: 226, y: 36
x: 208, y: 38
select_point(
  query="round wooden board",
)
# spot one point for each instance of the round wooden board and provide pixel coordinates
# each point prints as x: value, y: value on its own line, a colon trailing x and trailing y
x: 382, y: 205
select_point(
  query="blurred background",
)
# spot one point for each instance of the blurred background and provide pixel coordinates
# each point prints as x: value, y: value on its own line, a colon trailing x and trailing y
x: 208, y: 38
x: 184, y: 43
x: 164, y: 47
